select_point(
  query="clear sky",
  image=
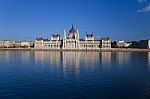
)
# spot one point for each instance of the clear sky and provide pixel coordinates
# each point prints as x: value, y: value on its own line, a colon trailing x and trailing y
x: 118, y: 19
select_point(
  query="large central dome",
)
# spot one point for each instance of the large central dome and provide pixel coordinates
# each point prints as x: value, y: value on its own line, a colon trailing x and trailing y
x: 72, y: 30
x: 73, y: 34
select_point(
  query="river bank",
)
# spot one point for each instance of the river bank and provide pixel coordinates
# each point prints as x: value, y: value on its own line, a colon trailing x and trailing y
x: 97, y: 50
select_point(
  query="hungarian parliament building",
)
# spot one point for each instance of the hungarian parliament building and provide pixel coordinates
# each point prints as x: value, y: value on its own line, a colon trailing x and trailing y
x: 72, y: 41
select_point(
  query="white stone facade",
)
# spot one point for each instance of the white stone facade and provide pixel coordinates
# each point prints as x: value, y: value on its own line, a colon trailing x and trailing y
x: 72, y: 41
x: 148, y: 44
x: 54, y: 43
x: 106, y: 42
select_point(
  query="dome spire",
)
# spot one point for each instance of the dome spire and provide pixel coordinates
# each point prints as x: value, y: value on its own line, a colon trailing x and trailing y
x: 73, y: 30
x: 72, y: 26
x: 73, y: 33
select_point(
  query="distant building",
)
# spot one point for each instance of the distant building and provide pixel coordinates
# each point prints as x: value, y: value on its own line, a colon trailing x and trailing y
x: 105, y: 42
x: 128, y: 44
x: 26, y: 44
x: 41, y: 43
x: 144, y: 44
x: 53, y: 43
x: 1, y: 44
x: 8, y: 44
x: 72, y: 41
x: 16, y: 44
x: 120, y: 44
x: 89, y: 37
x: 91, y: 43
x: 149, y: 44
x: 135, y: 44
x: 55, y: 38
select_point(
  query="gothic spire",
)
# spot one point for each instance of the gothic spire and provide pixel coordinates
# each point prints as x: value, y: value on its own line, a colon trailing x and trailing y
x: 78, y: 33
x: 64, y: 34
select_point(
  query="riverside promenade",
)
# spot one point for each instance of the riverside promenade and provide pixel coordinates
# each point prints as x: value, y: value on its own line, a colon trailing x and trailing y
x: 93, y: 50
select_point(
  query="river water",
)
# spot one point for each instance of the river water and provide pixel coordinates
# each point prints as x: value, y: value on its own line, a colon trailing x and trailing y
x: 74, y: 75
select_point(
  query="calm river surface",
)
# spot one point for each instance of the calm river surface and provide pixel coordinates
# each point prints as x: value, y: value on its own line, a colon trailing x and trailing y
x: 74, y: 75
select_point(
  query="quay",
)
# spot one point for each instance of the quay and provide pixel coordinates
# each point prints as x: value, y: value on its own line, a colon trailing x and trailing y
x: 84, y: 50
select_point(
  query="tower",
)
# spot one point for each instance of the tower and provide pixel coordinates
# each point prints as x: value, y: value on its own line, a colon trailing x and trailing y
x: 72, y: 41
x: 64, y: 39
x: 73, y: 33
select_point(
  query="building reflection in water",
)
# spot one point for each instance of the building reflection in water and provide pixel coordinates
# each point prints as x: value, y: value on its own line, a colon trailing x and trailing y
x: 52, y: 58
x: 8, y: 57
x: 122, y: 57
x: 90, y: 59
x: 71, y: 60
x: 22, y: 57
x: 26, y: 57
x: 5, y: 56
x: 106, y: 60
x: 75, y: 61
x: 55, y: 59
x: 38, y: 57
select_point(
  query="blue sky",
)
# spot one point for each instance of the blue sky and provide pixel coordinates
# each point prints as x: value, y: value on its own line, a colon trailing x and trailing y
x: 118, y: 19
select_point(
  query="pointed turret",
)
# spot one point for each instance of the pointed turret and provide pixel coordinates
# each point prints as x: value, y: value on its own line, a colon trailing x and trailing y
x: 64, y: 34
x: 78, y: 33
